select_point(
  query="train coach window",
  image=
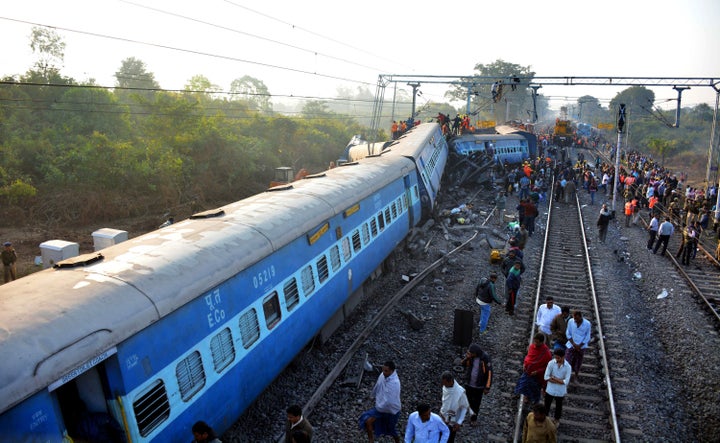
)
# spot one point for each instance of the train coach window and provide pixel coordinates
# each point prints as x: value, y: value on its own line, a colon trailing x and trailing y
x: 249, y: 328
x: 151, y: 408
x: 388, y: 219
x: 190, y: 375
x: 322, y: 267
x: 271, y: 309
x: 346, y: 249
x: 335, y: 258
x: 365, y: 234
x: 373, y: 227
x: 357, y: 246
x: 292, y: 295
x: 308, y: 281
x: 381, y: 221
x: 222, y: 349
x: 394, y: 210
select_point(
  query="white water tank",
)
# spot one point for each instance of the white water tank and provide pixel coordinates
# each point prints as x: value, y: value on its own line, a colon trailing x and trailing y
x: 53, y: 251
x: 102, y: 238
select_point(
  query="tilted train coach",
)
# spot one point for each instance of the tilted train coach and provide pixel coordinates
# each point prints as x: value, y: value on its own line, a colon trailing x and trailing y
x: 193, y: 321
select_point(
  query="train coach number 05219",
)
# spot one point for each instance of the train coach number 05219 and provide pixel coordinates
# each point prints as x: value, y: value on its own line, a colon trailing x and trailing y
x: 263, y: 277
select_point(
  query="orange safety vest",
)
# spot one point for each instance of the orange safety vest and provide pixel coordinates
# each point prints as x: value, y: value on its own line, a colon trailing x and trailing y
x: 628, y: 208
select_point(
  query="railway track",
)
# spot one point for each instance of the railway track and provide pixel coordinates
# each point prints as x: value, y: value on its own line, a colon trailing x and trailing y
x: 589, y: 411
x: 702, y: 275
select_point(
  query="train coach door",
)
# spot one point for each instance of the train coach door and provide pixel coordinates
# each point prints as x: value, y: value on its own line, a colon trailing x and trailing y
x: 85, y: 403
x: 408, y: 201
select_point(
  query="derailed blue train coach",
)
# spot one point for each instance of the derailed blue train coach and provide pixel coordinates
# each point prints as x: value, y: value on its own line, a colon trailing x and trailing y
x: 193, y: 321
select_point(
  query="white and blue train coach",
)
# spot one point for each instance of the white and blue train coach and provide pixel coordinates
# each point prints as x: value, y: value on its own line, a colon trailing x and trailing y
x: 194, y: 320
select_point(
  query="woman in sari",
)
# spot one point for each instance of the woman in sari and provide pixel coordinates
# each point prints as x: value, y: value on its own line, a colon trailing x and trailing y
x: 532, y: 380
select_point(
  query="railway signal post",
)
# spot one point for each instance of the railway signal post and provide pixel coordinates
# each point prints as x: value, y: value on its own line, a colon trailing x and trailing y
x: 621, y: 140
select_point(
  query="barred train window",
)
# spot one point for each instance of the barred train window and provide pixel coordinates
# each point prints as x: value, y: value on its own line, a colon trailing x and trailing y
x: 388, y: 219
x: 373, y: 227
x: 249, y: 328
x: 190, y: 375
x: 394, y: 210
x: 356, y: 241
x: 308, y: 281
x: 322, y: 267
x: 222, y: 349
x: 151, y: 408
x: 335, y: 258
x: 381, y: 221
x: 346, y: 249
x: 292, y: 295
x: 365, y: 234
x: 271, y: 310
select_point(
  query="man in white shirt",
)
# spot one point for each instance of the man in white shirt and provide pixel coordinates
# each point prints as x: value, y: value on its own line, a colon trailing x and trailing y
x: 557, y: 375
x: 383, y: 418
x: 455, y: 404
x: 653, y: 230
x: 665, y: 230
x: 545, y: 315
x: 424, y: 426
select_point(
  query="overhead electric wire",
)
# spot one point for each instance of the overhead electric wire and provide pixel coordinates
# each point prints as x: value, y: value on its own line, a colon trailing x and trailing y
x: 310, y: 32
x: 259, y: 37
x: 190, y: 51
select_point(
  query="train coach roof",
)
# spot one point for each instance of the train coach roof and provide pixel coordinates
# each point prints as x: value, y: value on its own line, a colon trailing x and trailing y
x: 55, y: 320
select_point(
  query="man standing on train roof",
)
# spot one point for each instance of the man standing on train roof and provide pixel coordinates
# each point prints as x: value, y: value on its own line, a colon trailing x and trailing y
x: 9, y: 258
x: 545, y: 315
x: 383, y: 418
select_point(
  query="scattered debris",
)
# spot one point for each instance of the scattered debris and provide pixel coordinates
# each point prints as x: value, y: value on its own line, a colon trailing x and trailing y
x: 663, y: 294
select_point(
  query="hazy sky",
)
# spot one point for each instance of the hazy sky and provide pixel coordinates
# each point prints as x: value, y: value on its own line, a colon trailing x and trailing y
x: 307, y: 48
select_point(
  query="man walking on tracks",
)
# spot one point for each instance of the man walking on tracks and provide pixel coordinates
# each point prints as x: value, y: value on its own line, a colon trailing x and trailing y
x: 383, y: 418
x: 665, y: 230
x: 578, y: 334
x: 479, y: 372
x: 484, y: 296
x: 603, y: 222
x: 512, y: 286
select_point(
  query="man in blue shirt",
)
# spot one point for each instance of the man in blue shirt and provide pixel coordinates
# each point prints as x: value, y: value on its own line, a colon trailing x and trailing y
x: 578, y: 334
x: 424, y: 426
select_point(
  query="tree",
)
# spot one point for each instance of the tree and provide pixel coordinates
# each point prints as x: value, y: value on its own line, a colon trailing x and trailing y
x: 517, y: 101
x: 253, y: 91
x: 662, y: 147
x: 638, y: 101
x: 50, y: 49
x: 133, y: 74
x: 200, y: 83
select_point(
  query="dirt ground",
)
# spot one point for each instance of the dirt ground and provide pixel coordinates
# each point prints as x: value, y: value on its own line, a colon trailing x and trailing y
x: 27, y: 239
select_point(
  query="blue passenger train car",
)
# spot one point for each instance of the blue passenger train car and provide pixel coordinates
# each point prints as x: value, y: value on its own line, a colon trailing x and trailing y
x: 510, y: 148
x: 194, y: 320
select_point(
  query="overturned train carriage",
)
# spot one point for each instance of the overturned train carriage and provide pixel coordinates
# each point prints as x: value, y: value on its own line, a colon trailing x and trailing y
x: 170, y: 327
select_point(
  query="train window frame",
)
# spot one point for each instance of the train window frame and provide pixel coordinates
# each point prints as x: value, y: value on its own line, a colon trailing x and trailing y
x: 381, y: 221
x: 271, y: 310
x: 393, y: 207
x: 249, y: 328
x: 292, y: 294
x: 357, y: 244
x: 365, y: 234
x: 190, y: 375
x: 222, y: 349
x: 155, y: 392
x: 307, y: 280
x: 388, y: 219
x: 323, y: 270
x: 335, y: 258
x: 346, y: 249
x: 373, y: 227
